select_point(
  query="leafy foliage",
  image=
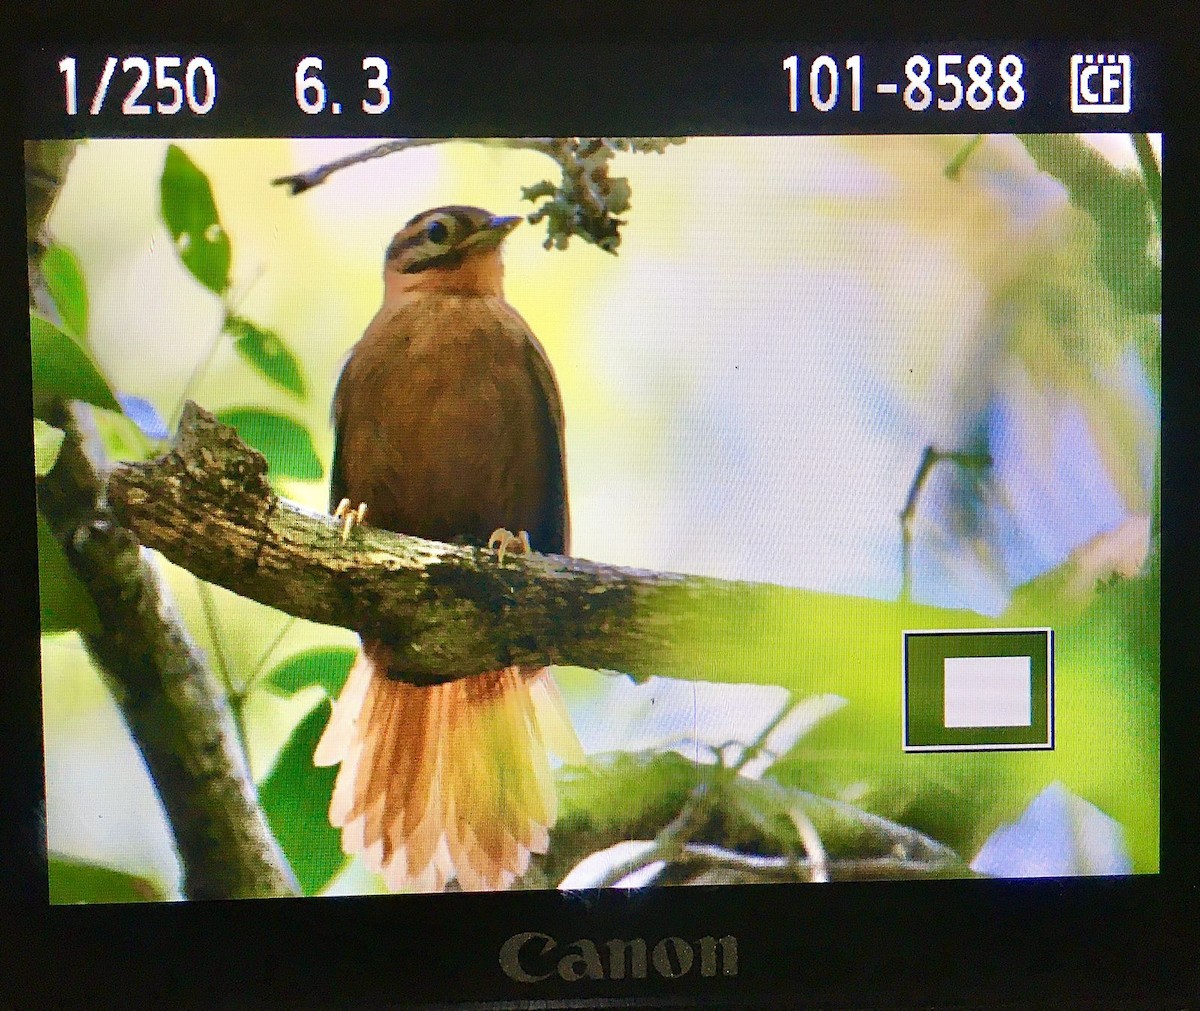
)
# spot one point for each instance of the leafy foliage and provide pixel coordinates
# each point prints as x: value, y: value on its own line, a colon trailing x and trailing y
x: 63, y: 370
x: 266, y: 352
x: 295, y: 798
x: 66, y: 604
x: 190, y: 214
x: 124, y: 440
x: 1121, y: 206
x: 64, y: 279
x: 285, y: 443
x: 78, y: 881
x: 326, y: 666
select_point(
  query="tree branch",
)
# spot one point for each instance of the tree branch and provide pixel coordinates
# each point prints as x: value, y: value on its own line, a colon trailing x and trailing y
x: 176, y: 712
x: 298, y: 182
x: 449, y: 611
x: 584, y: 202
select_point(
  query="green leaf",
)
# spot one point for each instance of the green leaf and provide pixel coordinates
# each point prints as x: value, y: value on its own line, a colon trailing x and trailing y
x: 123, y: 439
x: 76, y: 881
x: 267, y: 353
x: 295, y: 798
x: 63, y: 370
x: 64, y: 278
x: 284, y: 442
x: 190, y: 214
x: 66, y: 603
x: 326, y: 666
x: 1122, y: 208
x: 47, y: 441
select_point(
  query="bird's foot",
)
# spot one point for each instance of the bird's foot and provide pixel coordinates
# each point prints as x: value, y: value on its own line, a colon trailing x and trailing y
x: 505, y: 540
x: 349, y: 516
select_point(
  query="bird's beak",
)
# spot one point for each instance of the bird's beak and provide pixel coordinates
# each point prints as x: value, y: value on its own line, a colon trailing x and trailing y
x: 494, y: 232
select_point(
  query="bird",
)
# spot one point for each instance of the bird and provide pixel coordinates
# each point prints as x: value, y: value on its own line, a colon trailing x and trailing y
x: 448, y: 426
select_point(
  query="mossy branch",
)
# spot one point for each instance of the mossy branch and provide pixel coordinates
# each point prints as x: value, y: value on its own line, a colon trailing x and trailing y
x: 452, y: 611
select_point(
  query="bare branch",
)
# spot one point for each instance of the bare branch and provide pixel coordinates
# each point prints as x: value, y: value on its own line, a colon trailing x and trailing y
x: 301, y: 181
x: 715, y: 865
x: 930, y: 458
x: 450, y: 611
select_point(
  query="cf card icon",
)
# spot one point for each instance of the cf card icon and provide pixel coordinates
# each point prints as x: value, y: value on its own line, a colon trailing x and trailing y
x: 1101, y: 83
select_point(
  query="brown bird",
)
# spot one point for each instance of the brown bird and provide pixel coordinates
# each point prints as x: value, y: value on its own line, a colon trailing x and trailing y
x: 449, y: 426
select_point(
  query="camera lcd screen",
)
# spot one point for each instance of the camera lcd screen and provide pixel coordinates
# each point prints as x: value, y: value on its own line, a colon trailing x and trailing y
x: 433, y: 499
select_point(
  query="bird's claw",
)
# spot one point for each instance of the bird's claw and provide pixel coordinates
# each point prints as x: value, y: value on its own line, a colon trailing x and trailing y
x: 505, y: 540
x: 349, y: 516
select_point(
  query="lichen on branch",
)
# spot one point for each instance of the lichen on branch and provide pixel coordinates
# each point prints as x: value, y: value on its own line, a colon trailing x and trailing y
x: 585, y: 201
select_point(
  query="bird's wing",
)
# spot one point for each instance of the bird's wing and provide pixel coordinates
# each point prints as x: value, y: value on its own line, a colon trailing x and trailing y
x: 539, y: 364
x: 337, y: 479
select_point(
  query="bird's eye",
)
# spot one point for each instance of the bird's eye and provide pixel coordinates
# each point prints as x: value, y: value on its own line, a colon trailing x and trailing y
x: 437, y: 232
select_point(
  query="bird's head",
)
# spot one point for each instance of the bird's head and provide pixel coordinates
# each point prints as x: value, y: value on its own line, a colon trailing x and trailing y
x: 450, y: 249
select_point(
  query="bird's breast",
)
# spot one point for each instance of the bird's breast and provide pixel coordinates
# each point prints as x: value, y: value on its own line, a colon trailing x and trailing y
x: 441, y: 422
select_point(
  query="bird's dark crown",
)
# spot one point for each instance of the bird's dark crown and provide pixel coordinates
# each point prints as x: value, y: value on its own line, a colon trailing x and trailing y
x: 445, y: 236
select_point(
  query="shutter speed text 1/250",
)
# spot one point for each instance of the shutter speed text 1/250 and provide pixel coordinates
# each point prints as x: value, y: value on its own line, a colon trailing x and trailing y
x: 947, y: 82
x: 168, y: 85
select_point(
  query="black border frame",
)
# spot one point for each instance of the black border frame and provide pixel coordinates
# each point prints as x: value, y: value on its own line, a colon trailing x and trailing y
x: 1113, y: 942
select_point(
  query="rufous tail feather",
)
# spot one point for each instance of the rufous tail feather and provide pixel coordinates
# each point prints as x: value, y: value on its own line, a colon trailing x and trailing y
x: 449, y: 781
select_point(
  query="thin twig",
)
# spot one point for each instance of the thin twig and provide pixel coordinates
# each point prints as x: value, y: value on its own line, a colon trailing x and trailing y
x: 781, y: 868
x: 214, y: 632
x: 669, y: 842
x: 810, y: 839
x: 216, y: 636
x: 299, y: 182
x: 954, y: 167
x: 759, y: 743
x: 674, y: 837
x: 271, y: 647
x: 929, y: 459
x: 231, y: 307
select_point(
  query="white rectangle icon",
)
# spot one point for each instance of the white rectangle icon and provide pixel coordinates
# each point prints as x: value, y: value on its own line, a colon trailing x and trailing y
x: 988, y: 691
x: 1101, y: 82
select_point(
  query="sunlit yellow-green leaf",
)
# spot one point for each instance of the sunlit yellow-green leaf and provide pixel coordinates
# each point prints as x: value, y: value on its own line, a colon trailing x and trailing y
x: 268, y: 354
x: 285, y: 442
x: 326, y: 666
x: 47, y: 441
